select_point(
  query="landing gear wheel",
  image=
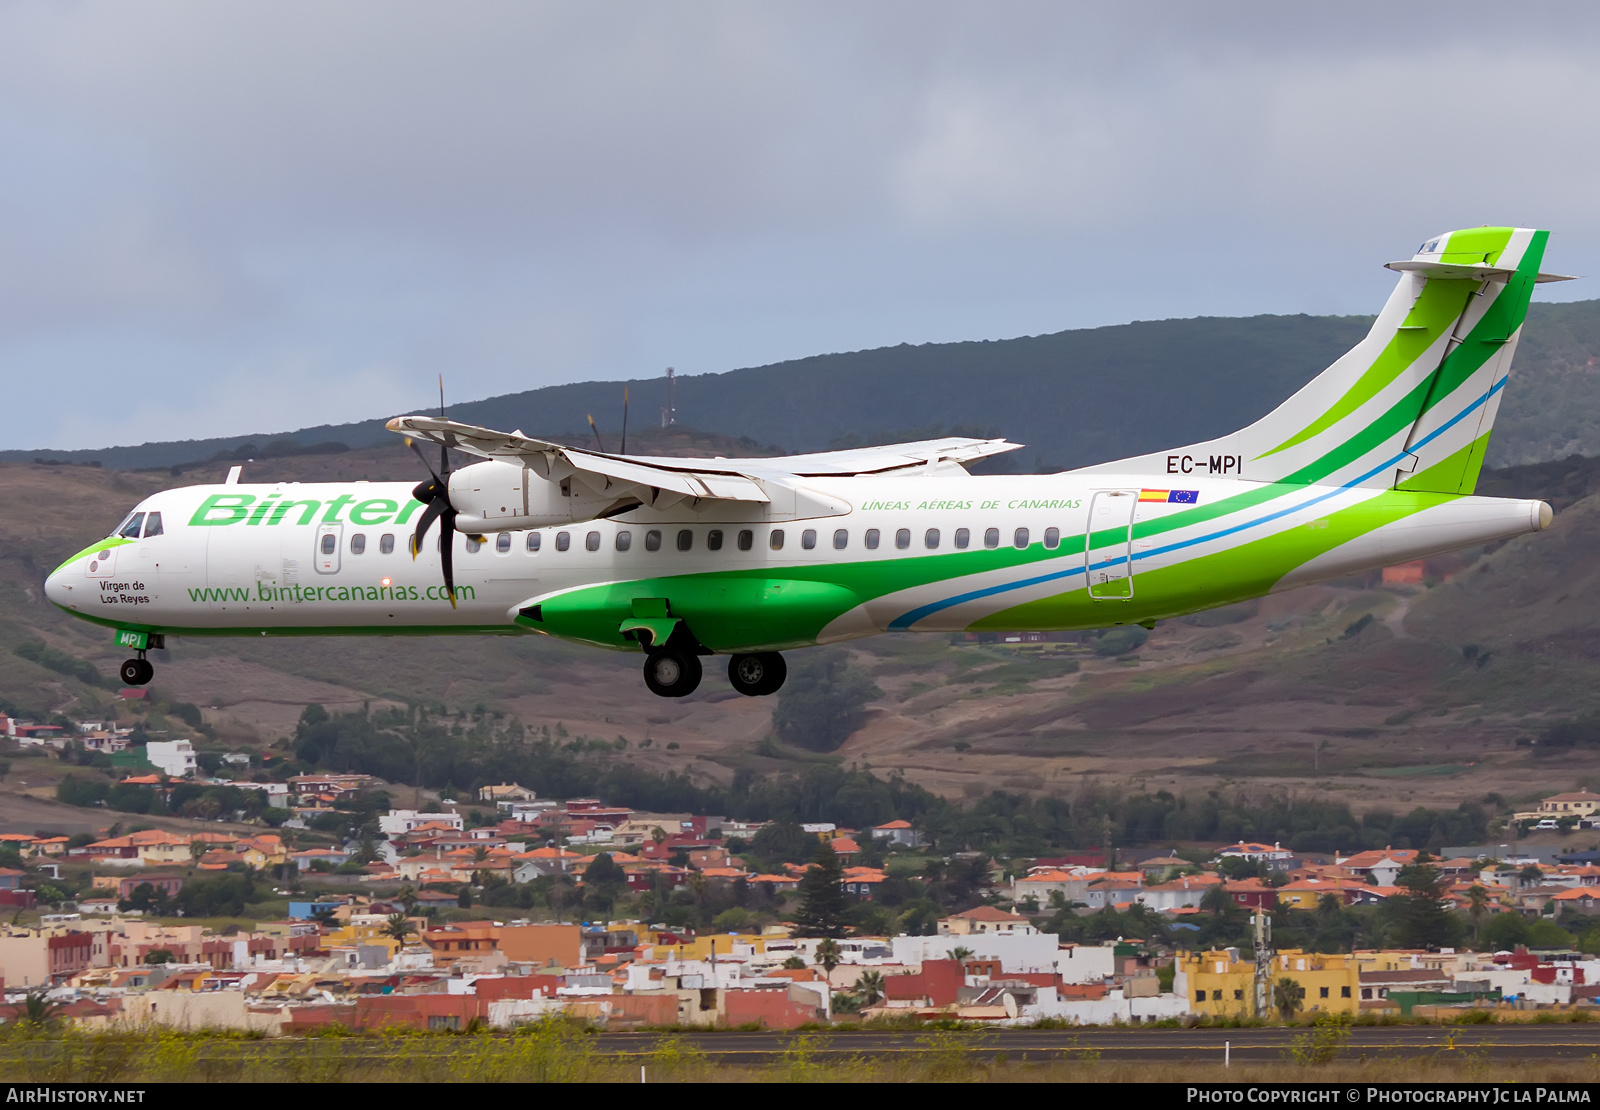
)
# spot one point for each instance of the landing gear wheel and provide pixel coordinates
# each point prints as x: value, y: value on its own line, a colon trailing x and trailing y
x: 672, y: 672
x: 758, y: 674
x: 137, y: 672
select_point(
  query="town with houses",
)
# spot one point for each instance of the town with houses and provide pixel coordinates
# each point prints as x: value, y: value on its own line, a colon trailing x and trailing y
x: 382, y: 930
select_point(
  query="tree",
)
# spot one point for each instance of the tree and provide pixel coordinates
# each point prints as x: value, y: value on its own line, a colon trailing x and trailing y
x: 1419, y: 914
x: 604, y: 882
x: 828, y: 955
x: 1216, y: 900
x: 38, y: 1012
x: 822, y: 902
x: 1477, y: 906
x: 784, y: 842
x: 794, y: 963
x: 960, y: 953
x: 159, y: 956
x: 870, y: 987
x: 823, y: 701
x: 398, y: 927
x: 1288, y: 996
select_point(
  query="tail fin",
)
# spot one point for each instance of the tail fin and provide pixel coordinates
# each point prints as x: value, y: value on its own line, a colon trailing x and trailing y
x: 1411, y: 405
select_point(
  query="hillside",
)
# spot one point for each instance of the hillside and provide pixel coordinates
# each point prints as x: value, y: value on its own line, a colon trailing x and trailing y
x: 1074, y: 397
x: 1425, y: 703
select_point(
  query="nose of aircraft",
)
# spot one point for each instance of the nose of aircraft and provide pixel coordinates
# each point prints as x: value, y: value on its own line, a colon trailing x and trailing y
x: 59, y: 587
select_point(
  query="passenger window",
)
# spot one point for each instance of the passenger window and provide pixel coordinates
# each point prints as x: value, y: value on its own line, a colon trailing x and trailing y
x: 775, y: 541
x: 502, y: 542
x: 685, y: 539
x: 841, y: 540
x: 1052, y: 538
x: 962, y: 538
x: 902, y: 538
x: 1020, y: 540
x: 592, y: 541
x: 473, y: 544
x: 386, y: 544
x: 130, y: 530
x: 533, y: 541
x: 871, y: 539
x: 329, y: 542
x: 152, y: 525
x: 991, y: 538
x: 714, y: 539
x: 652, y: 540
x: 358, y: 544
x: 808, y: 538
x: 747, y: 539
x: 930, y: 539
x: 624, y: 540
x: 563, y: 540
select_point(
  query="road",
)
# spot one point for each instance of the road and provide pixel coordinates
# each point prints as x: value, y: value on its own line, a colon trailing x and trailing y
x: 1541, y: 1041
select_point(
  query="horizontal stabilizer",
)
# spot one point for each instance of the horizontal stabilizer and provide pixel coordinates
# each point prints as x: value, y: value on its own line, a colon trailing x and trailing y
x: 1467, y: 271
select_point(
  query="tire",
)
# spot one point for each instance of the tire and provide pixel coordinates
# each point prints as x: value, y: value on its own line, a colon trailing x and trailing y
x: 758, y: 674
x: 671, y: 672
x: 136, y: 672
x: 147, y: 671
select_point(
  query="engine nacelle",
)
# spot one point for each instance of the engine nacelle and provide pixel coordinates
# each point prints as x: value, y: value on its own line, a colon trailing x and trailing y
x: 499, y: 496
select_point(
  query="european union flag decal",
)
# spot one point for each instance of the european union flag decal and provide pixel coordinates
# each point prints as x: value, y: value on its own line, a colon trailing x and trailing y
x: 1183, y: 497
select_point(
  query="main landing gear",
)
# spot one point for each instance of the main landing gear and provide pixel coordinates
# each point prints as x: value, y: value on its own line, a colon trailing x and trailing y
x: 675, y: 672
x: 759, y: 674
x: 137, y: 672
x: 672, y: 672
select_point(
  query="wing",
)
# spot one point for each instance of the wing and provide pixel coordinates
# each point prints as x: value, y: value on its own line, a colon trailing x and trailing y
x: 719, y: 478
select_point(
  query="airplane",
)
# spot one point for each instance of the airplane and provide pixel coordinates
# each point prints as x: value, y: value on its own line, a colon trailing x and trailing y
x: 1373, y: 462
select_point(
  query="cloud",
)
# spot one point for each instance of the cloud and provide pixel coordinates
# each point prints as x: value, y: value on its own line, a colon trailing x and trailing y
x: 200, y: 197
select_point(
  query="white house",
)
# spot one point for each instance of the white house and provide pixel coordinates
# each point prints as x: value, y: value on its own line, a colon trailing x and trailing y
x: 899, y: 833
x: 398, y: 822
x: 174, y: 758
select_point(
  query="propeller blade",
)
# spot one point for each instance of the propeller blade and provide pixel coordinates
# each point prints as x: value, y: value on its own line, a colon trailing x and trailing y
x: 624, y: 420
x: 447, y: 547
x: 436, y: 507
x: 597, y: 439
x: 411, y: 443
x: 444, y: 452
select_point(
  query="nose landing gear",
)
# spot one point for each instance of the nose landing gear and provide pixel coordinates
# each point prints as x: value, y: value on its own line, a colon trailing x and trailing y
x: 757, y: 675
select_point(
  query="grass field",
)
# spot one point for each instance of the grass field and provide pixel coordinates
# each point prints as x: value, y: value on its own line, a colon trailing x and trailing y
x: 553, y: 1052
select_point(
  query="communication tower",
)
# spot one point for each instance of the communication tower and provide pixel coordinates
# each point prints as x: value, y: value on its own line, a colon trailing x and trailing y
x: 669, y: 414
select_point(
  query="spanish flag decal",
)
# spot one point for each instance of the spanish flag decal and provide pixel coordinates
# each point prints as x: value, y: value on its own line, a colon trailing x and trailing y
x: 1171, y: 496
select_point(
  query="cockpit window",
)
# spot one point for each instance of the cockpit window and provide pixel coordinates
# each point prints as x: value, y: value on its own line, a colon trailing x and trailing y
x: 152, y: 525
x: 130, y: 529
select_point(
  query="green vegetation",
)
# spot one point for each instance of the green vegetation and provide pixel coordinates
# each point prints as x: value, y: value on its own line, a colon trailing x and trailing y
x: 824, y: 700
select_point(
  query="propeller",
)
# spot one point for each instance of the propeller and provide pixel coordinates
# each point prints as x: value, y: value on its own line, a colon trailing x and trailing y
x: 435, y: 494
x: 600, y: 443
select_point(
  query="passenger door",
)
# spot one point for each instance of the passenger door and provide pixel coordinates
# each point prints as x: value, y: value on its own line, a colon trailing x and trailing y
x: 1108, y: 545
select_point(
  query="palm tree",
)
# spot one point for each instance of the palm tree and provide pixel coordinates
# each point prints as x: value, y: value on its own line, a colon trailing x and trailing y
x: 1288, y: 996
x: 38, y: 1012
x: 1477, y: 906
x: 960, y: 953
x: 828, y: 955
x: 870, y: 987
x: 398, y: 927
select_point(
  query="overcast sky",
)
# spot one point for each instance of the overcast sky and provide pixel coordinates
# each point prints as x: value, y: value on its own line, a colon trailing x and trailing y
x: 219, y: 219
